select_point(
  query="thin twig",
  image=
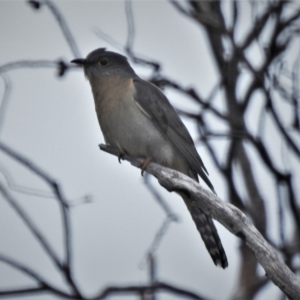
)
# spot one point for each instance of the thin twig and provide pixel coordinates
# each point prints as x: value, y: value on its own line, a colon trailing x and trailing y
x: 102, y: 35
x: 34, y: 229
x: 130, y: 26
x: 66, y: 267
x: 23, y: 189
x: 170, y: 214
x: 64, y: 27
x: 5, y: 97
x: 138, y: 289
x: 28, y: 64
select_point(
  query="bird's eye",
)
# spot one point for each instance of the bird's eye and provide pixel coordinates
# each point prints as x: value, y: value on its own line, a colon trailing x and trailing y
x: 103, y: 62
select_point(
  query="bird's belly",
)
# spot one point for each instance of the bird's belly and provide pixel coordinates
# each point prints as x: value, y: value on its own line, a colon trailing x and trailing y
x: 134, y: 133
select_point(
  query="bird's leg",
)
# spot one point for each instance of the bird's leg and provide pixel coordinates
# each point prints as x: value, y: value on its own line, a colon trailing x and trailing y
x: 120, y: 156
x: 144, y: 164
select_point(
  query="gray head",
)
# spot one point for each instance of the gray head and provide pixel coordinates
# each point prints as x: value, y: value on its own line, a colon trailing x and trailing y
x: 100, y: 63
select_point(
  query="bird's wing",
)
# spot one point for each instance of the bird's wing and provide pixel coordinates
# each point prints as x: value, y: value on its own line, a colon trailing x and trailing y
x: 156, y: 106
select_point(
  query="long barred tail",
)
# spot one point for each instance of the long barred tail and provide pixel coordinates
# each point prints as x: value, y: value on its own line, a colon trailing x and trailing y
x: 208, y: 233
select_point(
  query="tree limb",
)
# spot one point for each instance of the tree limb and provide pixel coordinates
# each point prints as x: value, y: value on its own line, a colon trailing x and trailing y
x: 230, y: 217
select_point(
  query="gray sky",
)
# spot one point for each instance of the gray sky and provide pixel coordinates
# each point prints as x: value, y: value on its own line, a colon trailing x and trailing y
x: 52, y: 122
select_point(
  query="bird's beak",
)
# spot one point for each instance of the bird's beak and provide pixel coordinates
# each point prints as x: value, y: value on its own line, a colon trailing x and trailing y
x: 79, y: 61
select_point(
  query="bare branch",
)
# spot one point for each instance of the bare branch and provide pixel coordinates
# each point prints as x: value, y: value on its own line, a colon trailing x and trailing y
x: 22, y: 189
x: 257, y: 202
x: 170, y: 217
x: 102, y: 35
x: 260, y: 24
x: 130, y: 26
x: 279, y: 125
x: 23, y: 291
x: 64, y: 27
x: 142, y: 289
x: 16, y: 265
x: 179, y: 7
x: 160, y: 200
x: 159, y: 235
x: 191, y: 93
x: 27, y: 64
x: 33, y: 228
x: 5, y: 97
x: 66, y: 267
x: 230, y: 217
x: 60, y: 65
x: 44, y: 286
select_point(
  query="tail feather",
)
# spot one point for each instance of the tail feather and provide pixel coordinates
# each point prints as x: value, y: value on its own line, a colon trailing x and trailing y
x: 209, y: 234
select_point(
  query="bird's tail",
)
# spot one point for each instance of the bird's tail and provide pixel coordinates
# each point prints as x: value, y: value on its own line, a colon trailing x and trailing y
x: 209, y: 234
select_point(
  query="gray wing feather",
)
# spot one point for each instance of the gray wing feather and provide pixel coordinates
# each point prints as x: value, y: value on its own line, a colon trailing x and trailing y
x: 164, y: 116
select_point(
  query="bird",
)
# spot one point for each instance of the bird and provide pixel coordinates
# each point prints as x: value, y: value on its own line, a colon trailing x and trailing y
x: 137, y: 118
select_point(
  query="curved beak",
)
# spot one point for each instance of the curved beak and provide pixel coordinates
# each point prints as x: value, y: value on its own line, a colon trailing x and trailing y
x: 79, y: 61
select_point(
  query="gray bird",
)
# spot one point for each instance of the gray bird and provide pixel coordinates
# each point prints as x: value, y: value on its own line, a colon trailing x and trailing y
x: 137, y: 118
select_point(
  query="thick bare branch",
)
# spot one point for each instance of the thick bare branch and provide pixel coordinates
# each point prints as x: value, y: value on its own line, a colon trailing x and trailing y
x: 230, y: 217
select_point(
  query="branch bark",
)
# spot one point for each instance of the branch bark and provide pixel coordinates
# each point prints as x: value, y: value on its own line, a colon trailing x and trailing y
x: 230, y: 217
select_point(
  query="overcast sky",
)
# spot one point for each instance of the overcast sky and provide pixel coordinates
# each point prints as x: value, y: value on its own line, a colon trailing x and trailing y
x: 52, y: 122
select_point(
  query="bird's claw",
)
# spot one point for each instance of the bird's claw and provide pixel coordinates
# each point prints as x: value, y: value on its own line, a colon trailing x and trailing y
x: 120, y: 157
x: 144, y: 164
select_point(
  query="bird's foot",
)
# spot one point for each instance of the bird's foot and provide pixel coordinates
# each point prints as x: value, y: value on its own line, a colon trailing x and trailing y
x: 144, y: 164
x: 120, y: 156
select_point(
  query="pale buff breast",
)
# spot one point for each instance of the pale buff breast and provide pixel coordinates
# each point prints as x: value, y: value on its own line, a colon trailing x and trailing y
x: 126, y: 125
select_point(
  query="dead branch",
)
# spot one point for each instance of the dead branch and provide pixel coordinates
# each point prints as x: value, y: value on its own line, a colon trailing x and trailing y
x: 230, y: 217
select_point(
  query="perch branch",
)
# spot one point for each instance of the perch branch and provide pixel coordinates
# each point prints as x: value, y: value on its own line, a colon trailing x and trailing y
x: 230, y: 217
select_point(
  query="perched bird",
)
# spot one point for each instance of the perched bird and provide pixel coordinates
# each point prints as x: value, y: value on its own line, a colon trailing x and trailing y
x: 137, y: 118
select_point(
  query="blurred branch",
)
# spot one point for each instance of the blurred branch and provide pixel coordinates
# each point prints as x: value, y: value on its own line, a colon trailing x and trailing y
x: 130, y: 26
x: 282, y: 130
x: 37, y: 192
x: 64, y: 27
x: 16, y: 265
x: 5, y: 97
x: 60, y: 65
x: 154, y: 286
x: 230, y: 217
x: 191, y: 93
x: 180, y: 8
x: 144, y: 289
x: 281, y: 20
x: 22, y: 189
x: 130, y: 40
x: 257, y: 202
x: 27, y: 64
x: 43, y: 286
x: 34, y: 229
x: 159, y: 235
x: 170, y: 217
x: 65, y: 267
x: 23, y: 291
x: 249, y: 282
x: 169, y: 213
x: 260, y: 23
x: 152, y: 273
x: 109, y: 39
x: 128, y: 48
